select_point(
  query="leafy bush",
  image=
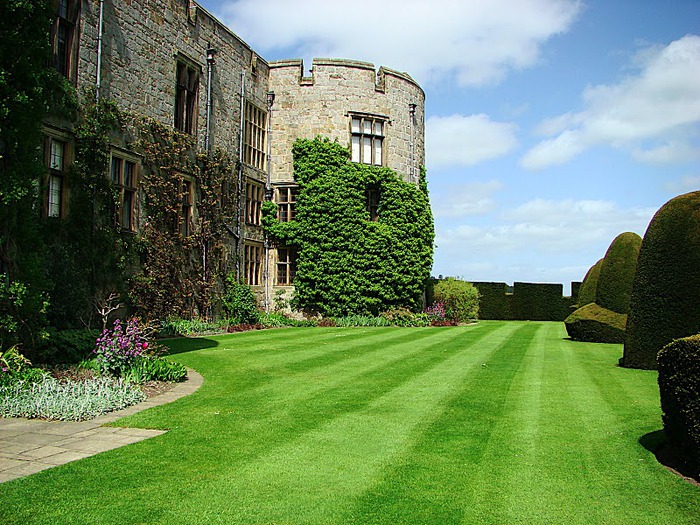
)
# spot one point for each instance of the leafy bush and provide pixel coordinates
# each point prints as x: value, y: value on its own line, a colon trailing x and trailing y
x: 66, y: 346
x: 180, y: 327
x: 278, y: 320
x: 116, y: 349
x: 664, y: 304
x: 361, y: 320
x: 71, y: 400
x: 679, y: 385
x: 153, y: 368
x: 461, y: 299
x: 404, y: 317
x: 15, y: 368
x: 22, y: 313
x: 239, y: 302
x: 244, y: 327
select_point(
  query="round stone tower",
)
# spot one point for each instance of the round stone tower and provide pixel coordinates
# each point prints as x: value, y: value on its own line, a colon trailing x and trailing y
x: 378, y: 114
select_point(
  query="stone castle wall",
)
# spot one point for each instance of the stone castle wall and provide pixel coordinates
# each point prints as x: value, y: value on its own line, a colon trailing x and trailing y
x: 142, y: 41
x: 320, y: 104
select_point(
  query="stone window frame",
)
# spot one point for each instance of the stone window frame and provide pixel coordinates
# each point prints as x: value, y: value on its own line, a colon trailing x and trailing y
x: 64, y: 39
x: 254, y: 197
x: 58, y: 156
x: 373, y: 199
x: 187, y: 76
x: 287, y: 257
x: 255, y: 136
x: 286, y: 198
x: 125, y: 183
x: 185, y: 215
x: 253, y: 262
x: 368, y: 133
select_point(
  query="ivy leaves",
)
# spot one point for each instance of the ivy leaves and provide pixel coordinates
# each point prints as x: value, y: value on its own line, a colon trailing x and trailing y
x: 348, y: 263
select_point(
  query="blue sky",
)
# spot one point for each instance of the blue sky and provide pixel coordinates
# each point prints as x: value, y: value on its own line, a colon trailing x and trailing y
x: 552, y: 125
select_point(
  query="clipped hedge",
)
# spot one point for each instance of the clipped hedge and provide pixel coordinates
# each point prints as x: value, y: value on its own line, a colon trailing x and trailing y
x: 617, y: 273
x: 589, y: 286
x: 595, y: 324
x: 493, y: 302
x: 538, y: 302
x: 679, y: 385
x: 664, y: 304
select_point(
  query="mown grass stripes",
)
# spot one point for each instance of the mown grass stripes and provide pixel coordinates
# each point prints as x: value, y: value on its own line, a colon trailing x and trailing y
x: 501, y: 422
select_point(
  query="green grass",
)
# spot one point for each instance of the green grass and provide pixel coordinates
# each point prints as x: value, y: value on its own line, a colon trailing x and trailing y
x: 497, y: 423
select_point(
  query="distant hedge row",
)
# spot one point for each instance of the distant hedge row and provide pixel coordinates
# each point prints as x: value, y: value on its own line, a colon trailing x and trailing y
x: 528, y: 302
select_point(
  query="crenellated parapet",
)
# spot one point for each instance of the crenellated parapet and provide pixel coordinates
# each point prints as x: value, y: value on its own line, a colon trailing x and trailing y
x: 339, y: 94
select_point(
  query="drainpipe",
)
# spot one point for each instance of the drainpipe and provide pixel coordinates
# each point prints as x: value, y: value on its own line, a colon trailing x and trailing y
x: 98, y: 80
x: 241, y: 195
x: 210, y: 66
x: 412, y: 167
x: 268, y: 195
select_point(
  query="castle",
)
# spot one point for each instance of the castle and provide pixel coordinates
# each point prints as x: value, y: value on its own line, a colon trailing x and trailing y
x: 173, y: 62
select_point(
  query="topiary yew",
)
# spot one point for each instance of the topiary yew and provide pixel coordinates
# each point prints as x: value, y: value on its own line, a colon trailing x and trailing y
x: 664, y: 303
x: 595, y: 324
x: 679, y: 386
x: 609, y: 282
x: 589, y: 286
x: 617, y: 273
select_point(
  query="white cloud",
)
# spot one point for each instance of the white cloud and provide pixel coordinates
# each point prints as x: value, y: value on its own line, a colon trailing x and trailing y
x: 471, y: 199
x: 466, y: 140
x: 661, y: 103
x: 558, y: 239
x: 476, y: 42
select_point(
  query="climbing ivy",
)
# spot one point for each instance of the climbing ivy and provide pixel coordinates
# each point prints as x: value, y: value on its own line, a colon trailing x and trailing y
x: 180, y: 275
x: 347, y: 262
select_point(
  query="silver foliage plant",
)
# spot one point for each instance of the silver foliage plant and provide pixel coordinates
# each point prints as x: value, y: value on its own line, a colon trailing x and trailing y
x: 69, y: 401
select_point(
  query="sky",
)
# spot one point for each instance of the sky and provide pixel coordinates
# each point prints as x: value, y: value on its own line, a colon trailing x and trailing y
x: 552, y: 126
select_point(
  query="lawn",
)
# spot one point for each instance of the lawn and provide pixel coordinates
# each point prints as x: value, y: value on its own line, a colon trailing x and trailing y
x: 496, y: 423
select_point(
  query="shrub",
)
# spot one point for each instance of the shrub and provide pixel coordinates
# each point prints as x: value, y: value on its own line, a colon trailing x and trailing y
x: 617, y: 273
x: 181, y: 327
x: 116, y: 349
x: 461, y: 299
x: 664, y: 304
x: 361, y: 320
x: 279, y: 320
x: 66, y: 346
x: 239, y: 302
x: 595, y: 324
x: 406, y: 318
x: 589, y: 285
x: 679, y: 386
x: 153, y: 368
x: 15, y: 368
x: 69, y: 400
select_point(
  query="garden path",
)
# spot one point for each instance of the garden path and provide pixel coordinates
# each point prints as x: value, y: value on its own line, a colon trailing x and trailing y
x: 31, y: 445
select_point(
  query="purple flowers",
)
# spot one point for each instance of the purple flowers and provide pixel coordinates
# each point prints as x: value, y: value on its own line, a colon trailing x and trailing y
x: 116, y: 349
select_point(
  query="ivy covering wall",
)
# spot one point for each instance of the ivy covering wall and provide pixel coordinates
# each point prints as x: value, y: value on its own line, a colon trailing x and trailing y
x: 349, y: 263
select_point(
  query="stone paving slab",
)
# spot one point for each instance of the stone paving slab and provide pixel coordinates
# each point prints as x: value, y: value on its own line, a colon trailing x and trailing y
x: 28, y: 446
